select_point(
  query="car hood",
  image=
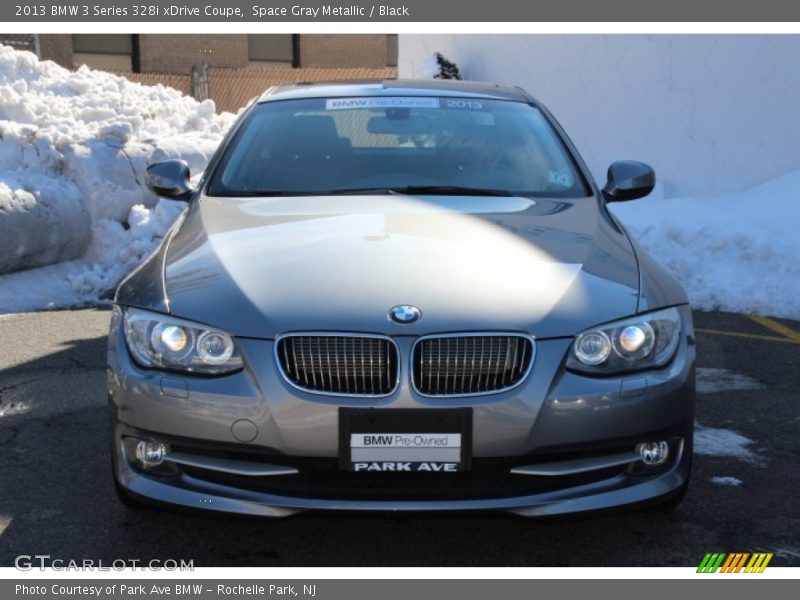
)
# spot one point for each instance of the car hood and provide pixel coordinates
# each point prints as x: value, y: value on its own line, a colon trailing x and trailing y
x: 267, y: 266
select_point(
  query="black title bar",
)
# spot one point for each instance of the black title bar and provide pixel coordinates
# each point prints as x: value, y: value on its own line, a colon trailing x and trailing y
x: 255, y: 11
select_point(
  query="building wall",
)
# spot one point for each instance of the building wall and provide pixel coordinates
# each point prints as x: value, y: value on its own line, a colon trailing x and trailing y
x: 19, y: 41
x: 269, y: 64
x: 232, y: 89
x: 712, y: 114
x: 175, y: 53
x: 58, y: 48
x: 104, y: 62
x: 330, y: 50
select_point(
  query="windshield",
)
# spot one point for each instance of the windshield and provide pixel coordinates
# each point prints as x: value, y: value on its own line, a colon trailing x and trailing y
x: 396, y: 145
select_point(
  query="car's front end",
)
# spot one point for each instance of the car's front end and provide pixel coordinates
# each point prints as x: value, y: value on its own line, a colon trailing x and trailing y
x: 401, y: 351
x: 252, y: 442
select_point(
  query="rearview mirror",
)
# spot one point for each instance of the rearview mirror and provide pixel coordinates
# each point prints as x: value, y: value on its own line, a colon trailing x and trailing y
x: 169, y: 179
x: 629, y: 180
x: 413, y: 125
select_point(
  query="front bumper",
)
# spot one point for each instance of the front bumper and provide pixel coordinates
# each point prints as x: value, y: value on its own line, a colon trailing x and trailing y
x: 555, y: 418
x: 196, y: 487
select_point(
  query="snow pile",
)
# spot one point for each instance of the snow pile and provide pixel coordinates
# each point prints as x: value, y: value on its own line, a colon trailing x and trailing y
x: 42, y: 219
x: 97, y: 130
x: 114, y: 252
x: 713, y: 441
x: 73, y: 150
x: 737, y: 253
x: 727, y: 481
x: 712, y: 381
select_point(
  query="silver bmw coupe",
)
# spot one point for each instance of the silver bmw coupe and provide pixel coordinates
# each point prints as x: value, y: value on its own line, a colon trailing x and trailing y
x: 400, y: 295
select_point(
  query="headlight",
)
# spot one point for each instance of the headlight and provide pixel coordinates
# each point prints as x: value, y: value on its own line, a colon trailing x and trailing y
x: 163, y: 342
x: 642, y: 342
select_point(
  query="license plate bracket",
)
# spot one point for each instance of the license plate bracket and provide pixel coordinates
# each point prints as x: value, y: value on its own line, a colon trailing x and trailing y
x: 405, y: 439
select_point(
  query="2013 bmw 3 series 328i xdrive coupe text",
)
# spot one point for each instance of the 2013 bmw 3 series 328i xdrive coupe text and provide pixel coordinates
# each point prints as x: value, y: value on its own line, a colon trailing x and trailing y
x: 400, y: 295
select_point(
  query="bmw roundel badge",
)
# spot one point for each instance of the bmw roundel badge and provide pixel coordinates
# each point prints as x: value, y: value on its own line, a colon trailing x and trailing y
x: 405, y: 314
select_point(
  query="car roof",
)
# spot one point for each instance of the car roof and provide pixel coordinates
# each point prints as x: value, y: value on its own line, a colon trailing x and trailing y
x: 397, y: 87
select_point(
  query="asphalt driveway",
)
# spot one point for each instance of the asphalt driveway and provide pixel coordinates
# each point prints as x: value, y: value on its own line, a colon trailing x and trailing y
x: 56, y: 495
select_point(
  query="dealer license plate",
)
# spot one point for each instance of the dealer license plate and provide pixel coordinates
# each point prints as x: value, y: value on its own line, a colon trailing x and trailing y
x: 405, y: 440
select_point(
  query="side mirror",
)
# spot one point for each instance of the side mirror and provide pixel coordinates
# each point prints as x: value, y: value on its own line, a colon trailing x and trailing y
x: 629, y: 180
x: 169, y: 179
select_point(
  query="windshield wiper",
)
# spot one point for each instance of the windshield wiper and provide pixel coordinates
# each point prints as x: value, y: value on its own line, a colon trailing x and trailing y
x: 423, y: 190
x: 450, y: 190
x: 266, y: 193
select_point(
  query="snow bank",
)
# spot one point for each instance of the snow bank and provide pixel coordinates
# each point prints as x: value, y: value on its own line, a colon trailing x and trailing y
x: 726, y: 481
x: 42, y: 220
x: 713, y: 381
x: 713, y: 441
x: 114, y: 252
x: 73, y: 149
x: 737, y: 253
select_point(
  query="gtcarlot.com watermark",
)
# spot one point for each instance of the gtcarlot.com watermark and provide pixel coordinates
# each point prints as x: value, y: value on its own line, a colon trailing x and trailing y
x: 30, y: 562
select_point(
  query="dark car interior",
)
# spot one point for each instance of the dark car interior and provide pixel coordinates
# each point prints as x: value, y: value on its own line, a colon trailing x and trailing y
x: 319, y: 152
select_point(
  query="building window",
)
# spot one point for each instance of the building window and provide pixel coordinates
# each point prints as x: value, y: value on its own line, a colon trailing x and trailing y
x: 111, y: 52
x: 102, y: 43
x: 271, y: 49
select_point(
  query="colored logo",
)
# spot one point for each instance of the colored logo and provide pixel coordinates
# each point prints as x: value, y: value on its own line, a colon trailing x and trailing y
x: 405, y: 314
x: 736, y: 562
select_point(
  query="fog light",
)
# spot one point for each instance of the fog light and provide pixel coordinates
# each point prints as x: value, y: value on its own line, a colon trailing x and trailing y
x: 151, y: 454
x: 653, y: 453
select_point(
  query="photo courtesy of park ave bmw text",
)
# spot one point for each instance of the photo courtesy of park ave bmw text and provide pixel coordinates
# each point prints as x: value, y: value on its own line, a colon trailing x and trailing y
x: 300, y: 284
